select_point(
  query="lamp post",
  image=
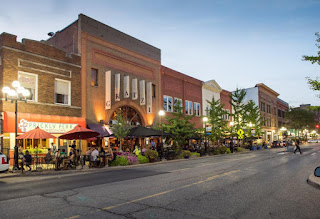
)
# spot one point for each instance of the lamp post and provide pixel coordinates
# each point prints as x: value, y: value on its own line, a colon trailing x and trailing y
x: 205, y: 119
x: 19, y: 93
x: 231, y: 143
x: 161, y: 114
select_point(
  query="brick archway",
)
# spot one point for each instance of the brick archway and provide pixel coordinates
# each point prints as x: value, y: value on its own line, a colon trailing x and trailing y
x: 128, y: 103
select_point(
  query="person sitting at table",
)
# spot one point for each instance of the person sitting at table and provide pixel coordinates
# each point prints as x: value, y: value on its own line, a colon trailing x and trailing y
x: 94, y: 155
x: 102, y: 155
x: 28, y: 159
x: 21, y: 158
x: 48, y: 157
x: 109, y: 155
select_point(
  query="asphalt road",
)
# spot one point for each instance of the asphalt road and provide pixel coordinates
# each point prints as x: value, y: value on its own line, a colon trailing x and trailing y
x: 259, y: 184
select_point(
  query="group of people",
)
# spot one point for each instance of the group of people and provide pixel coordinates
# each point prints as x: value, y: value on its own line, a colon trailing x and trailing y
x: 99, y: 157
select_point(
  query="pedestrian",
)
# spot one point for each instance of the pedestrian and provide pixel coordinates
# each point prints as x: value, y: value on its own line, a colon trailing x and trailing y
x: 297, y: 146
x: 54, y: 148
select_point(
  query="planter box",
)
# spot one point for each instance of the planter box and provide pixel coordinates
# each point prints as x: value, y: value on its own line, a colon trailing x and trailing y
x: 253, y: 148
x: 186, y: 157
x: 259, y: 147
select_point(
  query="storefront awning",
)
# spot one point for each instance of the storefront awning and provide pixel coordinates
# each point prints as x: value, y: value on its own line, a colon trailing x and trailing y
x: 101, y: 129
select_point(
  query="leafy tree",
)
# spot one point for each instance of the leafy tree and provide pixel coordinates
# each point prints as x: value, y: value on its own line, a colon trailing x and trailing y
x: 252, y: 115
x: 314, y: 83
x: 180, y: 125
x: 300, y: 119
x: 237, y: 98
x: 121, y: 128
x: 216, y: 119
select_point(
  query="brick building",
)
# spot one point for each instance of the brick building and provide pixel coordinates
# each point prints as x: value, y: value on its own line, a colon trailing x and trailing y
x: 118, y: 72
x: 225, y: 100
x: 267, y: 100
x: 53, y: 79
x: 180, y: 87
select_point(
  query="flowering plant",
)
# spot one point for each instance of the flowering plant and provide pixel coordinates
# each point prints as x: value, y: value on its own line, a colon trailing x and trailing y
x: 132, y: 159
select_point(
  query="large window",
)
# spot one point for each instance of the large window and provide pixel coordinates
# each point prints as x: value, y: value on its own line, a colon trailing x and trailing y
x: 263, y: 109
x: 94, y: 77
x: 167, y: 103
x: 62, y: 92
x: 227, y: 115
x: 196, y: 108
x: 177, y: 102
x: 268, y: 109
x: 30, y: 82
x: 188, y: 107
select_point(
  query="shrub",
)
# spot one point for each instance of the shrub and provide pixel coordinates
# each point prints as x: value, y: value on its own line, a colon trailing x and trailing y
x: 132, y: 159
x: 185, y: 153
x: 222, y: 149
x: 151, y: 154
x: 143, y: 159
x: 120, y: 161
x: 216, y: 152
x: 228, y: 151
x: 195, y: 154
x: 239, y: 149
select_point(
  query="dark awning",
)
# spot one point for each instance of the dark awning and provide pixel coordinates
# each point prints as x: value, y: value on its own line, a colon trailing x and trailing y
x: 141, y: 131
x: 100, y: 128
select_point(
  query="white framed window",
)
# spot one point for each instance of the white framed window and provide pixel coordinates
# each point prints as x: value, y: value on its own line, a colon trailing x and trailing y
x: 176, y: 101
x: 188, y: 107
x: 62, y: 92
x: 167, y: 103
x: 30, y: 82
x: 227, y: 115
x: 196, y: 109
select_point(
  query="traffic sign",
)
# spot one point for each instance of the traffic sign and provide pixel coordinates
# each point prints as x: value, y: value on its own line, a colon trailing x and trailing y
x: 240, y: 133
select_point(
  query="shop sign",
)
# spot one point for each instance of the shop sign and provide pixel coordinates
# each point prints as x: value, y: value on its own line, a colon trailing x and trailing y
x: 142, y: 92
x: 26, y: 126
x: 117, y: 87
x: 108, y: 90
x: 134, y: 89
x: 149, y: 98
x: 126, y: 91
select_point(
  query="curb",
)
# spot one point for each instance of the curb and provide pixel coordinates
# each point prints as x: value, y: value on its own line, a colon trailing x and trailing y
x: 104, y: 169
x: 314, y: 181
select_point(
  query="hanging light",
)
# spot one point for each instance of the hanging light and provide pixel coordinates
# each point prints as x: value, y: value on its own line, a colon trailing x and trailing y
x: 15, y: 84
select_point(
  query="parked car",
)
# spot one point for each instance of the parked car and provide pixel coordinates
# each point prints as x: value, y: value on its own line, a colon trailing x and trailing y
x: 4, y: 165
x: 313, y: 141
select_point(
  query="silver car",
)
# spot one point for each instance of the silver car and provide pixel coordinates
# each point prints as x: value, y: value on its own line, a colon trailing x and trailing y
x: 4, y: 165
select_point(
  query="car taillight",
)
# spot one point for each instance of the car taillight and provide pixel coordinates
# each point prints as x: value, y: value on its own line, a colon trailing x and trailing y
x: 4, y: 160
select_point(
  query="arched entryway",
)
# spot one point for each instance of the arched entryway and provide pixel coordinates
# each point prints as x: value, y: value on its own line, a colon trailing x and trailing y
x: 130, y: 114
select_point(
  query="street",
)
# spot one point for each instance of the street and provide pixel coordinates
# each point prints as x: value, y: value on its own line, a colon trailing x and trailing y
x: 260, y: 184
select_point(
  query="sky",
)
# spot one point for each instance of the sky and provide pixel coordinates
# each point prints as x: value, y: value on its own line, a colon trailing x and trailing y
x: 237, y: 43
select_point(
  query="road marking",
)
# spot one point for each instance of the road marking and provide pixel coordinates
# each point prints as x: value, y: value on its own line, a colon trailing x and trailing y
x: 73, y: 217
x: 179, y: 170
x: 171, y: 190
x: 314, y: 153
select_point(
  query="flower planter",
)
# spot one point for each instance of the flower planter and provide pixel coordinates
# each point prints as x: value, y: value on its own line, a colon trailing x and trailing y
x: 186, y: 157
x: 253, y: 148
x: 259, y: 147
x: 152, y: 160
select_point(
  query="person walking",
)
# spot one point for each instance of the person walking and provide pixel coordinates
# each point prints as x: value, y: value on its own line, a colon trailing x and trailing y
x: 297, y: 146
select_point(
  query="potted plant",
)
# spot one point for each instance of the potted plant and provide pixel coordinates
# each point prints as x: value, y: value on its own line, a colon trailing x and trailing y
x: 186, y: 154
x: 151, y: 155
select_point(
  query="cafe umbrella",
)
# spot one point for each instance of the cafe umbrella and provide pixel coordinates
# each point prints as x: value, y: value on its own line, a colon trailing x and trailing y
x: 36, y: 133
x: 79, y: 133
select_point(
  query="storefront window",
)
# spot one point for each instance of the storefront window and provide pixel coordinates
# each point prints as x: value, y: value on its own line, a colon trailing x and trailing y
x: 131, y: 116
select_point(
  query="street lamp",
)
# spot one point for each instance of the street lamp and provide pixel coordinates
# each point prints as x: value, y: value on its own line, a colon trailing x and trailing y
x: 19, y: 93
x: 205, y: 119
x: 231, y: 143
x: 161, y: 114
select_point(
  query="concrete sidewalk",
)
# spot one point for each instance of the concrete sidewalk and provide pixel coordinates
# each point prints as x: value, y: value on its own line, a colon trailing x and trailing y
x: 314, y: 181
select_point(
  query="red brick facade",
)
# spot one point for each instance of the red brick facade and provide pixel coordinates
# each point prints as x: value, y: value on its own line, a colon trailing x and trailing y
x: 225, y: 100
x: 184, y: 87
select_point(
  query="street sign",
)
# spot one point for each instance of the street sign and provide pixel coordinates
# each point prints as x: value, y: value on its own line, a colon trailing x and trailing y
x: 240, y: 134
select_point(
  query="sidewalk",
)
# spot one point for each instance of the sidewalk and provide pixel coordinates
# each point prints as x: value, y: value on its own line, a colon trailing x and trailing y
x: 314, y: 181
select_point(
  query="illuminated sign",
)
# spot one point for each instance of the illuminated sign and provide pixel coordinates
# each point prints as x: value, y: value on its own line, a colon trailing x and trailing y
x: 26, y: 126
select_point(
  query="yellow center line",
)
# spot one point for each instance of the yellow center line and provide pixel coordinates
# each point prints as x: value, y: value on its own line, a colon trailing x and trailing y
x: 171, y: 190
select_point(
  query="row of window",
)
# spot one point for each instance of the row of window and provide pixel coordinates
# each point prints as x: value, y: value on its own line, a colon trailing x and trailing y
x: 62, y: 88
x: 190, y: 108
x: 226, y: 116
x: 280, y: 113
x: 263, y: 109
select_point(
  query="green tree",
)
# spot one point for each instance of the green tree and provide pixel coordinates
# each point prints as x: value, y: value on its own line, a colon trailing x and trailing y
x: 121, y: 128
x: 300, y: 119
x: 179, y: 125
x: 237, y: 98
x: 216, y: 119
x: 252, y: 116
x: 314, y: 83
